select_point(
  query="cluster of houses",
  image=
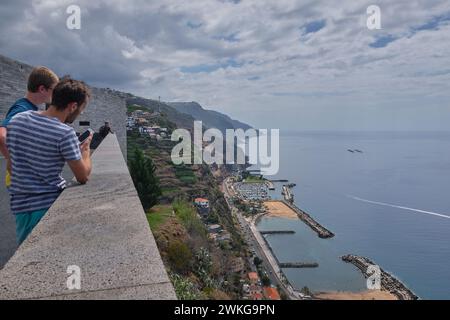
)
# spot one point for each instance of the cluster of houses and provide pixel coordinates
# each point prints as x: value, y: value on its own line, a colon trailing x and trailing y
x: 253, y: 289
x: 251, y: 284
x: 143, y: 121
x: 215, y: 231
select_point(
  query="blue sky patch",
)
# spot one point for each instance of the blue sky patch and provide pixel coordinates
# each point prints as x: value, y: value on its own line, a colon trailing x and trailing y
x: 314, y: 26
x: 208, y: 68
x: 382, y: 41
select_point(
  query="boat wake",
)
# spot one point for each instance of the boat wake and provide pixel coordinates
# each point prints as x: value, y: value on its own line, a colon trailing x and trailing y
x: 400, y: 207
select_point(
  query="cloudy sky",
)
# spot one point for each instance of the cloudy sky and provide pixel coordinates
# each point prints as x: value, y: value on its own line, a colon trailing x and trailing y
x: 307, y: 65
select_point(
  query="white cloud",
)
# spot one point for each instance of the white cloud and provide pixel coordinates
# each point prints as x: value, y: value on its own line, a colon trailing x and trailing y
x: 140, y: 46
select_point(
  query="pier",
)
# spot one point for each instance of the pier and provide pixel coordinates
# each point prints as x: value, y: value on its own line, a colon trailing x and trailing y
x: 278, y: 232
x: 287, y: 193
x: 298, y: 265
x: 270, y: 185
x: 388, y: 282
x: 321, y: 231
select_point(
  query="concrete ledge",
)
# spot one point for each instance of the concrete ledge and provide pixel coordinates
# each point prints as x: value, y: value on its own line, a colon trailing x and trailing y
x: 100, y: 227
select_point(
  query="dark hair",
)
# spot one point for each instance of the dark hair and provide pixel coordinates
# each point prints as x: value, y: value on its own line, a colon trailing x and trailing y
x: 68, y: 91
x: 41, y: 76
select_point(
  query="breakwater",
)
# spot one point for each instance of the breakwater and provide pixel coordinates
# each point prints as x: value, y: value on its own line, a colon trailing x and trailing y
x: 388, y: 282
x: 298, y: 265
x: 321, y: 231
x: 287, y: 194
x: 278, y: 232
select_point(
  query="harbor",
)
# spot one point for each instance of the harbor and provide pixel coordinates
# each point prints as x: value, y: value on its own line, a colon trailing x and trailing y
x: 257, y: 192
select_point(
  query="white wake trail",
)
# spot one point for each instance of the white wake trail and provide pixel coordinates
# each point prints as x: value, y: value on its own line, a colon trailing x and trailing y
x: 400, y: 207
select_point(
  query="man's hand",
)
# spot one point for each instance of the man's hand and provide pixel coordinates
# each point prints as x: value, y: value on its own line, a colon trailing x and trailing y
x: 85, y: 146
x: 82, y: 168
x: 3, y: 147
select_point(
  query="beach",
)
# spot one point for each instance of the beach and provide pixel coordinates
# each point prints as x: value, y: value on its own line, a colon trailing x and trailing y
x: 364, y: 295
x: 280, y: 210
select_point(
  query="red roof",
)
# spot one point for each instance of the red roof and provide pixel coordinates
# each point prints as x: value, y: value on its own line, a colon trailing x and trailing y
x: 257, y: 296
x: 271, y: 293
x: 253, y: 276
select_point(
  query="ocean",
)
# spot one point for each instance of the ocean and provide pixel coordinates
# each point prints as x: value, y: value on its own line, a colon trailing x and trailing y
x: 389, y: 203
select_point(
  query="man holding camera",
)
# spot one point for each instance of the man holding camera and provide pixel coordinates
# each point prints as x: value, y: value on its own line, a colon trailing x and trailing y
x: 39, y: 144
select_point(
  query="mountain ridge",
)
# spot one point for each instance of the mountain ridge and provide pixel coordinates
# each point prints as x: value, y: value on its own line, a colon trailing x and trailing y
x: 183, y: 114
x: 210, y: 118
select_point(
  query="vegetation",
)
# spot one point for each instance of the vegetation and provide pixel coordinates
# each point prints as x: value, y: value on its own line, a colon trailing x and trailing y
x: 185, y: 174
x: 199, y: 267
x: 254, y: 179
x: 188, y: 217
x: 203, y: 267
x: 158, y: 215
x: 257, y: 261
x: 185, y: 289
x: 134, y: 107
x: 180, y: 256
x: 146, y: 183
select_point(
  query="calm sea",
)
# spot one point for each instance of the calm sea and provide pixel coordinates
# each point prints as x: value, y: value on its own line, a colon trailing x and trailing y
x: 390, y: 203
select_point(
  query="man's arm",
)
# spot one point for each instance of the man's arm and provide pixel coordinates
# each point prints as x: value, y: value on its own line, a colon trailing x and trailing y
x: 3, y: 147
x: 82, y: 168
x: 15, y: 109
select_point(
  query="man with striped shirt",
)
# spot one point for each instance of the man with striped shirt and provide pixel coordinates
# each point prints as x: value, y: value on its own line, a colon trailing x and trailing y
x: 39, y: 144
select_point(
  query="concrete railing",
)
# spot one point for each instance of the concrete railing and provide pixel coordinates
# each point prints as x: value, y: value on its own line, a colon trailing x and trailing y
x: 99, y: 227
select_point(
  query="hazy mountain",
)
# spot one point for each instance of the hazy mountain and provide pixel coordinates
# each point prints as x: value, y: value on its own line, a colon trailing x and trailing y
x: 210, y: 118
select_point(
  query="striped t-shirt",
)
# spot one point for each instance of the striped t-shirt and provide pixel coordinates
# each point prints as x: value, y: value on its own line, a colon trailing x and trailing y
x: 38, y: 146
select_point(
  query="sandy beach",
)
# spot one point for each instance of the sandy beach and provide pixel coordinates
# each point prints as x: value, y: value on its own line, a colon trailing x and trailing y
x: 364, y: 295
x: 280, y: 210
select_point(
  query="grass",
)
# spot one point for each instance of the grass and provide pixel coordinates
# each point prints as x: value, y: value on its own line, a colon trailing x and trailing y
x: 187, y: 214
x: 158, y: 215
x: 254, y: 179
x: 185, y: 174
x: 135, y: 107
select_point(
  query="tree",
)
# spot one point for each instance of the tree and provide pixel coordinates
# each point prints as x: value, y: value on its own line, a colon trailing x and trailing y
x: 146, y: 183
x: 265, y: 280
x: 257, y: 261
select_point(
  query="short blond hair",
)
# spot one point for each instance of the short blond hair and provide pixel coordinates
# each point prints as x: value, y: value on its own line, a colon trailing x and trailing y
x: 41, y: 76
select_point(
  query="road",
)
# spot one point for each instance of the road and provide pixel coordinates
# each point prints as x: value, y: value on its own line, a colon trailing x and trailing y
x: 252, y: 235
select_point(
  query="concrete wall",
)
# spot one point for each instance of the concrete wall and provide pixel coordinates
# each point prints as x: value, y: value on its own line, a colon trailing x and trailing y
x: 100, y: 227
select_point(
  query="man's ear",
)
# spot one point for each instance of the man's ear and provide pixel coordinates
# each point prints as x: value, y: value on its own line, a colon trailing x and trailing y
x: 73, y: 106
x: 42, y: 89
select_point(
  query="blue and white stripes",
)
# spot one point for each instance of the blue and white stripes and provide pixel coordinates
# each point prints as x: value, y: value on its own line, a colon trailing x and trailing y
x: 39, y: 146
